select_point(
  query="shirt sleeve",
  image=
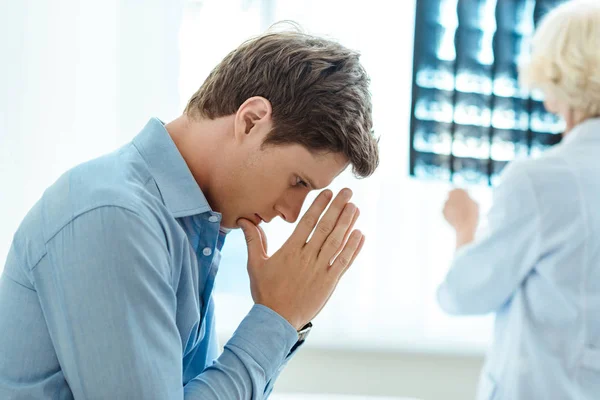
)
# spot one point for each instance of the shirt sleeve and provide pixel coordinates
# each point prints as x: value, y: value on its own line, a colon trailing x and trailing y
x: 486, y: 273
x: 109, y: 302
x: 196, y: 366
x: 271, y: 383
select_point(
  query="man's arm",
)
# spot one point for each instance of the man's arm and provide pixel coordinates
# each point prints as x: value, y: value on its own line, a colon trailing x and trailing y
x: 108, y: 300
x: 486, y: 272
x: 197, y: 365
x: 110, y: 306
x: 257, y: 350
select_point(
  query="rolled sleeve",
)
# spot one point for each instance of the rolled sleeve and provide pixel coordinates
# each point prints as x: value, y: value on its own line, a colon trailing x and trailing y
x: 251, y: 359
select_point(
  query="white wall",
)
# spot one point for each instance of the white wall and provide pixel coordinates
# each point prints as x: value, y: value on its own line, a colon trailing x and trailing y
x: 422, y: 376
x: 77, y: 80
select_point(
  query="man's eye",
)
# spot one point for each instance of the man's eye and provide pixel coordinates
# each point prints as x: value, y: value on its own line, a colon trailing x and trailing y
x: 300, y: 182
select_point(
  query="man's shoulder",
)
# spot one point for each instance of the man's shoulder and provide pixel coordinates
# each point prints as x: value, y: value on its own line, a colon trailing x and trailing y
x: 119, y: 180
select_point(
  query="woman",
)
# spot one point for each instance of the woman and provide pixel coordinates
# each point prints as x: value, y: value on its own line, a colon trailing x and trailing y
x: 537, y: 265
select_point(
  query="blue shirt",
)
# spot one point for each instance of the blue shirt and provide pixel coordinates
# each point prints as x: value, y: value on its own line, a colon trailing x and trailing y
x: 106, y: 292
x: 537, y: 267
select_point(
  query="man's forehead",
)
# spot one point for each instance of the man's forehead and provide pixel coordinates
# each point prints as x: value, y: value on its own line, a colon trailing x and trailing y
x: 320, y: 174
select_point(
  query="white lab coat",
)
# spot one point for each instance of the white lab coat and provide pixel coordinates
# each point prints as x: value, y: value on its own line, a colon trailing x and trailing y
x: 537, y: 267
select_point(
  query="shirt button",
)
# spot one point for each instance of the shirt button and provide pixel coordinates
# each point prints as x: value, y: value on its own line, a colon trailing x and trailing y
x: 213, y: 218
x: 207, y: 251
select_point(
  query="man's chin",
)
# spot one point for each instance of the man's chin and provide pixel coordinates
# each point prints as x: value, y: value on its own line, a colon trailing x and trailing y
x: 228, y: 225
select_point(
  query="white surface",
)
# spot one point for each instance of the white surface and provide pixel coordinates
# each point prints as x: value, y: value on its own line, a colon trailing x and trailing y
x: 83, y: 78
x: 305, y: 396
x: 383, y: 373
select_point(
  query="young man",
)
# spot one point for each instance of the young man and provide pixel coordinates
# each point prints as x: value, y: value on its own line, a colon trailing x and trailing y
x: 106, y: 292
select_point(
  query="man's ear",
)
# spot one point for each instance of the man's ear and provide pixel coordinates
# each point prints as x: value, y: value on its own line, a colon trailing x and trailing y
x: 253, y: 116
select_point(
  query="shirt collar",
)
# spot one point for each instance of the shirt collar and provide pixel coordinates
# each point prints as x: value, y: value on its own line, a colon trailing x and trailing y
x: 588, y: 128
x: 180, y: 191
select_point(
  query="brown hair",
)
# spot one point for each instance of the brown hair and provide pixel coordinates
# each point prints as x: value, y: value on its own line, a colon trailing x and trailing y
x: 319, y: 93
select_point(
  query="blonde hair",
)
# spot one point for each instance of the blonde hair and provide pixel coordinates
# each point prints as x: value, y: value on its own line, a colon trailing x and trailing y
x: 565, y: 56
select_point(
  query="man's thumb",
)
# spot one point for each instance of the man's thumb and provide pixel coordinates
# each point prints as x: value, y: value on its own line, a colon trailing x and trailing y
x: 253, y: 241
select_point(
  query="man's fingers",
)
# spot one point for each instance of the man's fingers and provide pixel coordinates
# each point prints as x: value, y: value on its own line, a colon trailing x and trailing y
x: 335, y: 241
x: 256, y: 250
x: 330, y: 220
x: 348, y: 231
x: 345, y: 259
x: 309, y: 220
x: 357, y: 251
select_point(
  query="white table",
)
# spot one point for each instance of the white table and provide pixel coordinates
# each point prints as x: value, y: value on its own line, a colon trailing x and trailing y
x: 306, y: 396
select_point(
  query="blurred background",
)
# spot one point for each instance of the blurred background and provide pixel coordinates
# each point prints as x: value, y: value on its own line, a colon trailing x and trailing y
x: 80, y: 78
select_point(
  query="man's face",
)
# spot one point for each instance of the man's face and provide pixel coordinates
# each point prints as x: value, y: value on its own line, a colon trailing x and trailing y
x: 262, y: 183
x: 274, y: 181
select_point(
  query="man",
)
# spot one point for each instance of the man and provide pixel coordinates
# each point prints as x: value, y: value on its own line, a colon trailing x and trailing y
x: 107, y: 287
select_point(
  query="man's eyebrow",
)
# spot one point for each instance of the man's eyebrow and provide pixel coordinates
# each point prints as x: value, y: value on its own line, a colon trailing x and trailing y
x: 311, y: 184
